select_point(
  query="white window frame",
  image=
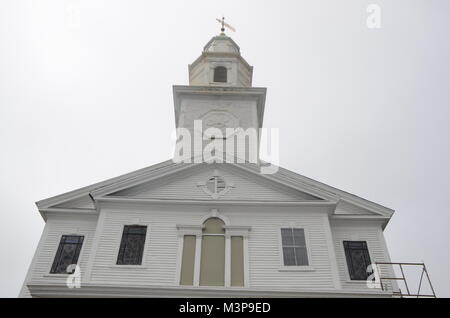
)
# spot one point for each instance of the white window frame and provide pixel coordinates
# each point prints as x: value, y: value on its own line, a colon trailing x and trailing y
x: 295, y: 268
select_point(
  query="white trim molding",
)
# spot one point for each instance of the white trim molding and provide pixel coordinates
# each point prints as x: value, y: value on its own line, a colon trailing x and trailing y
x: 55, y: 289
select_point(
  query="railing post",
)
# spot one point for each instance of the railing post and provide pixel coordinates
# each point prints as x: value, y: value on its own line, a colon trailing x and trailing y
x: 379, y: 273
x: 404, y: 279
x: 420, y: 281
x: 429, y: 280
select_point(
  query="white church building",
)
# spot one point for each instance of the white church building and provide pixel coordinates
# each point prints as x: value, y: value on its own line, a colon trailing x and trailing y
x: 211, y: 229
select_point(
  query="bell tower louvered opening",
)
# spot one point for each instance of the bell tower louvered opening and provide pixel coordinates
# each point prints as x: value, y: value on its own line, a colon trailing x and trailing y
x: 220, y: 74
x: 221, y: 64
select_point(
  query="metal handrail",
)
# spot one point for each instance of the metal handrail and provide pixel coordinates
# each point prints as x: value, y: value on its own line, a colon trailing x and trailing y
x: 403, y: 278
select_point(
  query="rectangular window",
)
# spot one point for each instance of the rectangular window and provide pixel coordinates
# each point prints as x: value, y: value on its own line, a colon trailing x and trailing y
x: 212, y: 261
x: 188, y: 260
x: 237, y: 261
x: 294, y: 247
x: 67, y: 253
x: 357, y: 256
x: 132, y: 245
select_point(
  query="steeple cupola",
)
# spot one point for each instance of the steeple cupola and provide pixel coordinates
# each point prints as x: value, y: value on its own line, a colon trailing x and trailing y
x: 221, y: 64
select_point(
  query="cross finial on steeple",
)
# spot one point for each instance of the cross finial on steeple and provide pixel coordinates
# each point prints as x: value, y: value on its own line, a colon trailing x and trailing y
x: 222, y: 22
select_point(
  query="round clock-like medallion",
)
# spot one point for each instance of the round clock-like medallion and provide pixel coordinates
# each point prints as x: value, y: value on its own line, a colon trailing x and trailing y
x: 220, y: 120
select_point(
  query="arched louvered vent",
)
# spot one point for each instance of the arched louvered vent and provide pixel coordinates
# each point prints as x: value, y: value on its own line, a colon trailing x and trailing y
x: 220, y: 74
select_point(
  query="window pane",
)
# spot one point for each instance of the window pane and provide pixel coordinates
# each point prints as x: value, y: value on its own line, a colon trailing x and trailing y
x: 73, y: 239
x: 132, y: 245
x: 294, y: 247
x: 301, y: 256
x: 188, y: 260
x: 133, y: 251
x: 289, y: 256
x: 357, y: 256
x: 212, y: 263
x: 299, y: 237
x: 214, y: 226
x: 359, y: 265
x: 286, y: 237
x: 136, y: 230
x: 237, y: 261
x: 355, y: 244
x: 67, y: 254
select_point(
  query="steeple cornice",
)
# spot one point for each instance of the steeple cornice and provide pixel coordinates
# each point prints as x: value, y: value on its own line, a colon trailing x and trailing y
x: 257, y: 94
x: 221, y: 54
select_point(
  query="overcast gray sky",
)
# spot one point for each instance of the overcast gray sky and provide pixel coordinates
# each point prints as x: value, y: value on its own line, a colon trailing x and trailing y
x: 86, y: 94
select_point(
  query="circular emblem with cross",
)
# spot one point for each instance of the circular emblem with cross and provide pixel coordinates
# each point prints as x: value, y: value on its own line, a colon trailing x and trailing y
x: 215, y: 186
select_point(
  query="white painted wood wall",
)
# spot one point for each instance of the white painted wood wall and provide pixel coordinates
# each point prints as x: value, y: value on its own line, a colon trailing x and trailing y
x: 102, y: 238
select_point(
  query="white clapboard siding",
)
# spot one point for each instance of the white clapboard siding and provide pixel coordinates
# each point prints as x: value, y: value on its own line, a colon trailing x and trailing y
x: 160, y: 252
x: 184, y: 186
x: 265, y: 253
x: 160, y: 256
x: 159, y: 267
x: 54, y: 229
x: 359, y: 231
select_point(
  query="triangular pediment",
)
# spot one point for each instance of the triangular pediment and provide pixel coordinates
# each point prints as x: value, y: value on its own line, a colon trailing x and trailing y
x: 198, y: 183
x: 171, y: 182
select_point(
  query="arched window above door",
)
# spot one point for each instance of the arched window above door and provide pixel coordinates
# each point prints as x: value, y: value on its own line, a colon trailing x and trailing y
x: 213, y: 225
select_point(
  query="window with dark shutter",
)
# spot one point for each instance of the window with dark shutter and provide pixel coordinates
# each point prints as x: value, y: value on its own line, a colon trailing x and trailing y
x: 294, y: 247
x: 357, y: 256
x: 220, y: 74
x: 67, y: 254
x: 132, y: 245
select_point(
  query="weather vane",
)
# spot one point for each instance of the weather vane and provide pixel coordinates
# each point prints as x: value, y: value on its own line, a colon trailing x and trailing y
x: 222, y: 21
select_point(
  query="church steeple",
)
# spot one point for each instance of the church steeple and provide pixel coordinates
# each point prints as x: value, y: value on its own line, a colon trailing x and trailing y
x: 220, y: 107
x: 221, y: 64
